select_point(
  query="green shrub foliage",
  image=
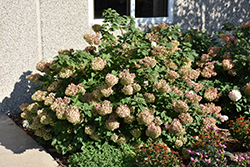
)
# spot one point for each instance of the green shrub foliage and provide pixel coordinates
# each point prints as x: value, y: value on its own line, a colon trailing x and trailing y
x: 128, y: 86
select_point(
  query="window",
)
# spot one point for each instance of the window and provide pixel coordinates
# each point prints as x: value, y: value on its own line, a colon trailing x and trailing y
x: 145, y: 11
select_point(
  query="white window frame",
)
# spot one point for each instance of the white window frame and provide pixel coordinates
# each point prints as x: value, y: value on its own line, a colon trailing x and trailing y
x: 139, y: 21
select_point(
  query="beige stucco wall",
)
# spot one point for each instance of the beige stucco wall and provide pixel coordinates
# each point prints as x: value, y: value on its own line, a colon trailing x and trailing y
x: 210, y: 14
x: 31, y: 30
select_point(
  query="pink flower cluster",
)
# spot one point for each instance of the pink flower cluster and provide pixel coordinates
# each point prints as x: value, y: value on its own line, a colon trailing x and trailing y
x: 46, y: 119
x: 39, y: 96
x: 178, y: 143
x: 73, y: 89
x: 193, y: 97
x: 227, y: 64
x: 180, y: 106
x: 93, y: 39
x: 207, y: 123
x: 34, y: 77
x: 129, y: 119
x: 111, y: 123
x: 160, y: 51
x: 106, y: 91
x: 187, y: 63
x: 25, y: 114
x: 54, y: 86
x: 228, y: 39
x: 89, y: 130
x: 111, y: 80
x: 188, y: 74
x: 175, y: 127
x: 246, y: 89
x: 205, y: 58
x: 149, y: 97
x: 123, y: 111
x: 185, y: 118
x: 73, y: 115
x: 172, y: 75
x: 98, y: 64
x: 245, y: 25
x: 101, y: 91
x: 211, y: 94
x: 136, y: 87
x: 153, y: 131
x: 213, y: 51
x: 176, y: 90
x: 148, y: 62
x: 174, y: 46
x: 242, y: 157
x: 103, y: 108
x: 44, y: 67
x: 226, y: 55
x: 126, y: 77
x: 135, y: 132
x: 162, y: 86
x: 208, y: 70
x: 33, y: 107
x: 121, y: 139
x: 209, y: 108
x: 170, y: 64
x: 60, y: 106
x: 66, y: 72
x: 145, y: 117
x: 197, y: 86
x: 158, y: 121
x: 127, y: 89
x: 232, y: 72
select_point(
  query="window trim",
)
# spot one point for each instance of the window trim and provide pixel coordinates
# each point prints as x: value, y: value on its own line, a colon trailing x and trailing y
x: 139, y: 21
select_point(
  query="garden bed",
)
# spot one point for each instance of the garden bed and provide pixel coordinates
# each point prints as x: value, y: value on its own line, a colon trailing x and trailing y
x: 62, y: 159
x: 164, y: 91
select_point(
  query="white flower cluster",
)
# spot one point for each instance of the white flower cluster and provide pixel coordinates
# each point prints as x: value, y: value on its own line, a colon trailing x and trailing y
x: 235, y: 95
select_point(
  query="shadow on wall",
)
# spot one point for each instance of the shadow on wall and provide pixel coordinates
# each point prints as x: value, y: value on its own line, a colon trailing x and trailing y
x: 207, y: 14
x: 21, y: 94
x: 210, y: 14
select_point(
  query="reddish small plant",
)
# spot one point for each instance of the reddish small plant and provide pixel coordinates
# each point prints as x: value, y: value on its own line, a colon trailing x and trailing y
x: 157, y: 154
x: 240, y: 130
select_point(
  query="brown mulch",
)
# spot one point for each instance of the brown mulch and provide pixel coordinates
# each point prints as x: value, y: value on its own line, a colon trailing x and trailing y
x: 62, y: 159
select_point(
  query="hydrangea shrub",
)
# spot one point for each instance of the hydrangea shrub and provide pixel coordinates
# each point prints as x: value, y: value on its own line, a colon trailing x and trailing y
x: 125, y: 88
x: 226, y: 67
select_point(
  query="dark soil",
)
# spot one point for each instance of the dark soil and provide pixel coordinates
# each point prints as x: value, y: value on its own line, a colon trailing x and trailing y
x: 233, y: 144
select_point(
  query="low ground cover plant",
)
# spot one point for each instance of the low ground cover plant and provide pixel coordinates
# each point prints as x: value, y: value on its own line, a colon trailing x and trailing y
x: 240, y: 130
x: 208, y: 150
x: 104, y: 155
x: 129, y: 87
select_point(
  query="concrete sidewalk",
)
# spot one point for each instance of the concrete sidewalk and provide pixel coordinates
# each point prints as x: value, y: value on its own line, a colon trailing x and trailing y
x: 17, y: 149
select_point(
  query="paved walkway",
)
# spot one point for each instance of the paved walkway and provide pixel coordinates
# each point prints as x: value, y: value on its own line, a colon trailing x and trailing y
x: 17, y: 149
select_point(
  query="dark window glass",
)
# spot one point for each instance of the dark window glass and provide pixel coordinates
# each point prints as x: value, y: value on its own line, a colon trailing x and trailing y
x: 121, y: 6
x: 151, y: 8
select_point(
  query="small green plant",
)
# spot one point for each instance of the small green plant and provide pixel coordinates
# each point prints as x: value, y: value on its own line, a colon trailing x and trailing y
x: 241, y: 159
x: 157, y: 154
x: 208, y: 150
x: 240, y: 130
x: 105, y: 155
